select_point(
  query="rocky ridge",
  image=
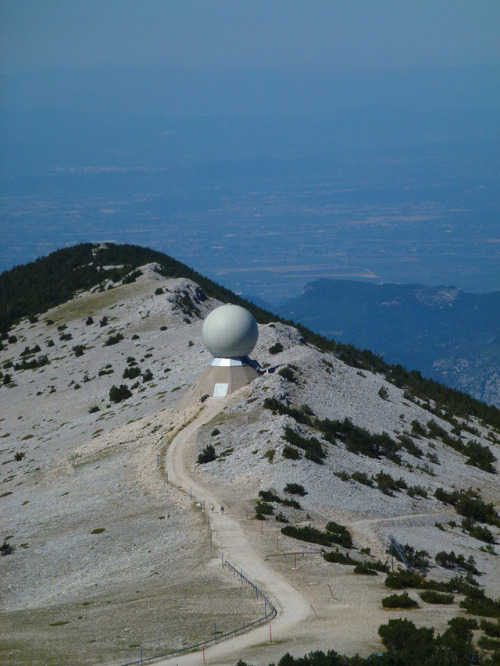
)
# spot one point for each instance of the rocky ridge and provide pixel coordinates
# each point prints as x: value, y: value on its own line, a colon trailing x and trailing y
x: 83, y: 498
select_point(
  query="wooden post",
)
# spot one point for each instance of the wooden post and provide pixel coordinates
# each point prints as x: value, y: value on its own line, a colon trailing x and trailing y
x: 314, y: 612
x: 203, y: 650
x: 277, y: 542
x: 331, y: 591
x: 270, y: 634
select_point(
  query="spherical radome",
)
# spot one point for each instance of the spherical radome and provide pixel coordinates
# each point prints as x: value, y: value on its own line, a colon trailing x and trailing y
x: 230, y: 331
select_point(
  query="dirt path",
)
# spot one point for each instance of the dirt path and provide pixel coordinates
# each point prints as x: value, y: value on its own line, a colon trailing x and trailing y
x: 230, y: 539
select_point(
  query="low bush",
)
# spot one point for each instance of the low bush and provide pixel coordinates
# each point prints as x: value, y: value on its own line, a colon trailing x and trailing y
x: 487, y: 643
x: 491, y: 628
x: 119, y: 393
x: 288, y: 374
x: 388, y: 485
x: 6, y: 548
x: 276, y: 348
x: 309, y: 534
x: 399, y: 601
x: 336, y: 557
x: 311, y: 445
x: 207, y: 455
x: 131, y: 372
x: 290, y: 453
x: 477, y: 603
x: 295, y: 489
x: 341, y: 534
x: 452, y: 561
x: 417, y: 491
x: 482, y: 534
x: 433, y: 597
x: 264, y: 508
x: 363, y: 478
x: 269, y: 496
x: 113, y: 340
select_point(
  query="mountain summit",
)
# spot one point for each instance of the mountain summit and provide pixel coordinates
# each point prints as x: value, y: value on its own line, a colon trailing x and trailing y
x: 120, y: 505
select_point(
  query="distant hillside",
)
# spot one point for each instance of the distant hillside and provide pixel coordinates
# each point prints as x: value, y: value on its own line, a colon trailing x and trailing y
x: 447, y: 334
x: 29, y: 290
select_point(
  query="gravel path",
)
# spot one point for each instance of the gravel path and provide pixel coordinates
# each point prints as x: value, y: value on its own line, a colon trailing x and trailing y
x: 230, y: 538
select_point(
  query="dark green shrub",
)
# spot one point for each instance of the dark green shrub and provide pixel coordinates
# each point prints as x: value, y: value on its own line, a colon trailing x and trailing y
x: 288, y: 374
x: 399, y: 601
x: 433, y: 597
x: 340, y: 533
x: 403, y: 579
x: 269, y: 496
x: 207, y: 455
x: 343, y: 475
x: 103, y: 322
x: 411, y: 645
x: 387, y: 484
x: 113, y: 340
x: 295, y: 489
x: 89, y: 321
x: 363, y: 478
x: 359, y: 440
x: 452, y: 561
x: 310, y: 534
x: 147, y: 376
x: 410, y: 446
x: 79, y: 350
x: 417, y: 491
x: 215, y: 432
x: 477, y: 603
x: 276, y: 348
x: 94, y: 409
x: 119, y: 393
x: 264, y: 508
x: 6, y: 548
x: 336, y: 557
x: 290, y: 453
x: 312, y: 446
x: 417, y: 428
x: 131, y: 372
x: 383, y: 393
x: 302, y: 415
x: 491, y: 628
x: 291, y: 502
x: 20, y: 455
x: 487, y: 643
x: 158, y: 291
x: 482, y: 534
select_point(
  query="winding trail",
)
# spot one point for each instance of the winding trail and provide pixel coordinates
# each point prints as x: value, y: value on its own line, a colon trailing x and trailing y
x: 230, y: 539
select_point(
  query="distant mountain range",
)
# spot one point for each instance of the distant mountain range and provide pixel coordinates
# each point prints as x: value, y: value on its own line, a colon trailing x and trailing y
x: 447, y: 334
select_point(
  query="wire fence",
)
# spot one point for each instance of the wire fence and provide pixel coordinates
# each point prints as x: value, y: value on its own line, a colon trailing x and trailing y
x: 269, y: 613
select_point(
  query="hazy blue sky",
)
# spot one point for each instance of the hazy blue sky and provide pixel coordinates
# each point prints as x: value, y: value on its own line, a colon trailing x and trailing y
x: 286, y: 35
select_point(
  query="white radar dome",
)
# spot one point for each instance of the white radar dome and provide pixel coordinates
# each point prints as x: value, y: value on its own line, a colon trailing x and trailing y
x: 230, y: 331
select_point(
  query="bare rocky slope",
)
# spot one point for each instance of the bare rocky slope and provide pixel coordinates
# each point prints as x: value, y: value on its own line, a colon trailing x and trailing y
x: 109, y: 556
